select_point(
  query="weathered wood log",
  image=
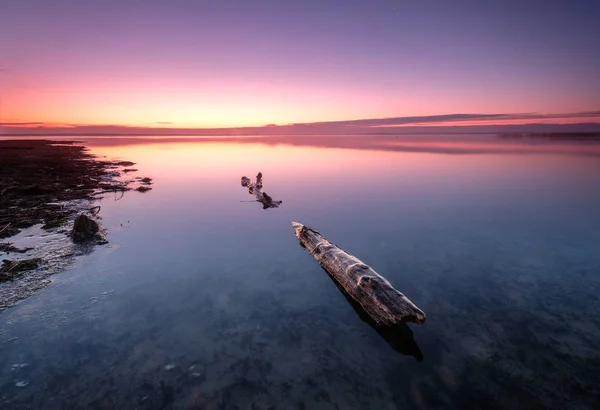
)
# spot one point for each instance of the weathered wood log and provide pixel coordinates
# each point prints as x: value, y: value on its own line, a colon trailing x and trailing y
x: 384, y: 304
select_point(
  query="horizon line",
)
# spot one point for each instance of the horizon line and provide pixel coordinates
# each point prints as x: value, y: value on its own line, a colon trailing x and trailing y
x: 421, y: 120
x: 483, y: 123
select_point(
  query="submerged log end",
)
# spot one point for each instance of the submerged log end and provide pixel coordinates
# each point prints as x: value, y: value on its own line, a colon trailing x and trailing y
x: 410, y: 312
x: 385, y: 304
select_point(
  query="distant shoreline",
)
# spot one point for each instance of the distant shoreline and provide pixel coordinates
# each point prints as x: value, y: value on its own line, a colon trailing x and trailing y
x: 562, y: 135
x: 556, y: 136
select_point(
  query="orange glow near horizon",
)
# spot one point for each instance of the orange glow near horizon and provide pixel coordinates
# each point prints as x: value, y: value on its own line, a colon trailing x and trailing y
x: 215, y: 65
x: 218, y: 105
x: 168, y: 104
x: 158, y: 102
x: 248, y: 119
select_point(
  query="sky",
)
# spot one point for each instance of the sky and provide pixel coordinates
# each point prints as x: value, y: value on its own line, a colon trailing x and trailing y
x: 240, y: 63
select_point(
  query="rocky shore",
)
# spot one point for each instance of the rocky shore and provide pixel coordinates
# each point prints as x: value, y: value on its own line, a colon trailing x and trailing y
x: 52, y: 185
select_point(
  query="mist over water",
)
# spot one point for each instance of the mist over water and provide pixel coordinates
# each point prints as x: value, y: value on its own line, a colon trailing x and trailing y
x: 203, y: 301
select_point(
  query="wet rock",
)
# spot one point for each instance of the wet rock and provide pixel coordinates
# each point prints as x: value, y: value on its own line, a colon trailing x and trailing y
x: 11, y: 268
x: 143, y: 189
x: 84, y: 229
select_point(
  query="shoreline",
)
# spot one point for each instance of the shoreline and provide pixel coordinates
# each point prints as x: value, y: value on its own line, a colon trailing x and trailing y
x: 44, y: 186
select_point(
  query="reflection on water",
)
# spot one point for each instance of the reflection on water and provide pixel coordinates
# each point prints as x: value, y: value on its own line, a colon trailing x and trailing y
x: 205, y: 302
x: 399, y: 336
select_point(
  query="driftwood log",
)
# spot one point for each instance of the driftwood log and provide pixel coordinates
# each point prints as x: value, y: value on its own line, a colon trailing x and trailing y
x: 384, y: 304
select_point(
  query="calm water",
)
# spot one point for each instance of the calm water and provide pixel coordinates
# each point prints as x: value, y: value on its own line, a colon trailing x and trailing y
x: 203, y: 301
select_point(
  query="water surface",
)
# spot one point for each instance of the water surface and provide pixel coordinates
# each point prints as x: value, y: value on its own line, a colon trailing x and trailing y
x: 203, y: 301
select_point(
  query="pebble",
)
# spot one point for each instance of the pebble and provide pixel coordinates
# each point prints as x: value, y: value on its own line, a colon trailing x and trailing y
x: 22, y: 384
x: 196, y: 375
x: 169, y: 367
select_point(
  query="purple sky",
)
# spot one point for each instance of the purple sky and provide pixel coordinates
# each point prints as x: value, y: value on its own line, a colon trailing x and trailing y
x: 218, y: 63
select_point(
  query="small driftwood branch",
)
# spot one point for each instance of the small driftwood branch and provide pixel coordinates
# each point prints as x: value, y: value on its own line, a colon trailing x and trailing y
x: 374, y: 293
x: 255, y: 188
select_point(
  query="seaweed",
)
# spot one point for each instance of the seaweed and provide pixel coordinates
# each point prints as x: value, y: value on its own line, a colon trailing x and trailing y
x: 12, y: 268
x: 36, y: 176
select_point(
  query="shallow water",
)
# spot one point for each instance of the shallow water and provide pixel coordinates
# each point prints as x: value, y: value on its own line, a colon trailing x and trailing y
x: 203, y: 301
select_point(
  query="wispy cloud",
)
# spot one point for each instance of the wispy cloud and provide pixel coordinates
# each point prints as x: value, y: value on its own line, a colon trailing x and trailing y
x: 408, y: 120
x: 466, y: 118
